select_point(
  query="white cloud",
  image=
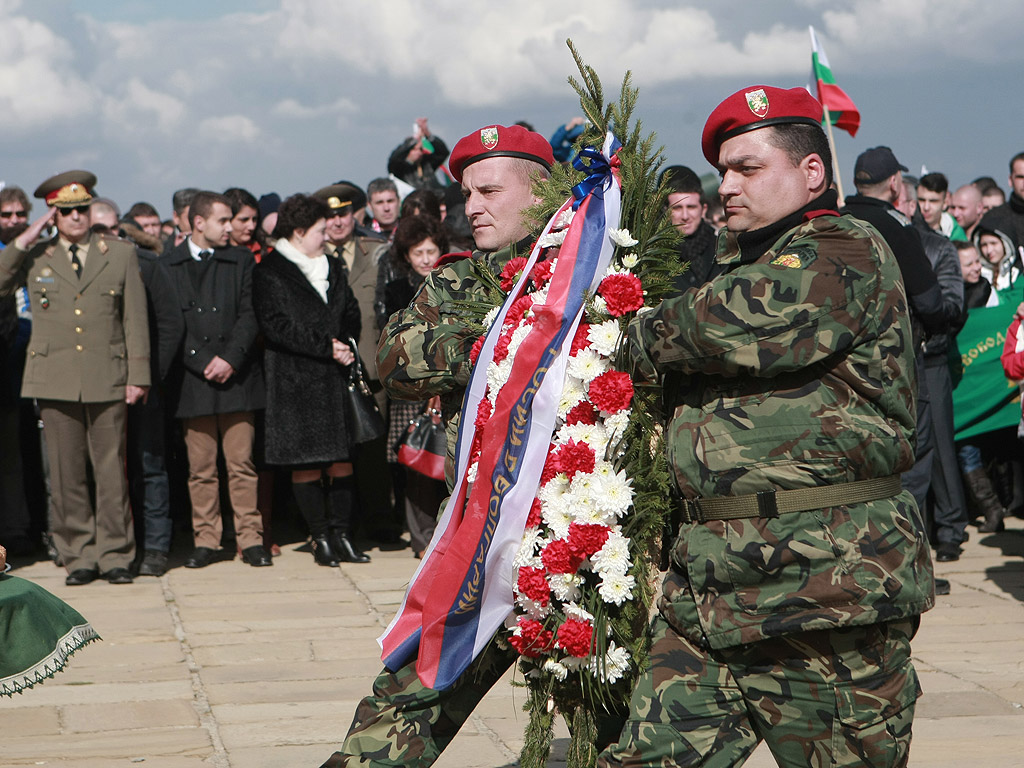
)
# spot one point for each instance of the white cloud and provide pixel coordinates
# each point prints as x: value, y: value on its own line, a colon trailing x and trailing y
x: 291, y: 108
x: 137, y: 108
x: 229, y: 129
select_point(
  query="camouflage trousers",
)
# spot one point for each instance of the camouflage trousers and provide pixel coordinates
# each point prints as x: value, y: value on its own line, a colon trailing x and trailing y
x: 840, y: 697
x: 404, y: 723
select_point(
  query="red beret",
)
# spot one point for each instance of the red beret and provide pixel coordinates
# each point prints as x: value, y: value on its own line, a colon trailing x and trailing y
x: 499, y: 141
x: 757, y: 107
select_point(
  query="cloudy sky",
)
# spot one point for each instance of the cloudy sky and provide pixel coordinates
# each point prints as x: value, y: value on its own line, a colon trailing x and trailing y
x: 289, y: 95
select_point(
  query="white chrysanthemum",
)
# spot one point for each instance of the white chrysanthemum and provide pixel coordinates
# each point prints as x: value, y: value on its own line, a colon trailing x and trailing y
x: 528, y: 548
x: 613, y: 557
x: 630, y: 260
x: 471, y: 472
x: 533, y: 609
x: 540, y: 297
x: 564, y: 218
x: 592, y: 514
x: 599, y: 310
x: 616, y: 664
x: 592, y: 434
x: 566, y: 586
x: 551, y: 239
x: 573, y: 390
x: 575, y: 611
x: 583, y: 492
x: 491, y: 315
x: 554, y: 489
x: 574, y: 664
x: 498, y: 373
x: 622, y: 237
x: 518, y: 335
x: 587, y: 365
x: 616, y: 587
x: 557, y: 514
x: 605, y: 337
x: 556, y: 669
x: 616, y: 493
x: 615, y: 424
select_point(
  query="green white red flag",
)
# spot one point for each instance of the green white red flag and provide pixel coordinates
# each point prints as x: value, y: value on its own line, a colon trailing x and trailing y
x: 842, y: 112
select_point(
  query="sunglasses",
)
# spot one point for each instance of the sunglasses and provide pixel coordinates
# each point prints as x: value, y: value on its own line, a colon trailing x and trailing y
x: 82, y: 209
x: 13, y: 214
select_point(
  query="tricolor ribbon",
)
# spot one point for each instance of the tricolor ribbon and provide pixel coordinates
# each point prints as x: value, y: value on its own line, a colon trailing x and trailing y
x: 462, y: 591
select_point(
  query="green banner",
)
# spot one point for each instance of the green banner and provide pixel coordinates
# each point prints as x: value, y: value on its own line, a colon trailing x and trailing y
x: 985, y: 399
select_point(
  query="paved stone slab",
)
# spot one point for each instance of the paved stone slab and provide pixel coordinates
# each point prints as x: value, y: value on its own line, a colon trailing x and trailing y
x: 69, y: 690
x: 29, y: 721
x: 110, y: 744
x: 86, y: 718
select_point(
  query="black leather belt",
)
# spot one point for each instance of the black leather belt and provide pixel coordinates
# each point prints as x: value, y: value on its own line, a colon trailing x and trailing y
x: 775, y: 503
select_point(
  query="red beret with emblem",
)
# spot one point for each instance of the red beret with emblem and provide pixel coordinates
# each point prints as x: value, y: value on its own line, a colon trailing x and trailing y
x: 499, y: 141
x: 758, y: 106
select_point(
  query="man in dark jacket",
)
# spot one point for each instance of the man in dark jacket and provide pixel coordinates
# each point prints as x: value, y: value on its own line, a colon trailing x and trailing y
x: 223, y: 379
x: 416, y: 160
x: 687, y: 208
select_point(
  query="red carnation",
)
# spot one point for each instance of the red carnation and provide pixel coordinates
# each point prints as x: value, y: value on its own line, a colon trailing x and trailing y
x: 575, y: 457
x: 581, y: 413
x: 581, y: 340
x: 612, y: 391
x: 574, y: 637
x: 585, y: 539
x: 483, y: 413
x: 501, y: 347
x: 534, y: 518
x: 550, y: 466
x: 533, y: 584
x: 559, y: 558
x: 623, y: 293
x: 519, y: 308
x: 541, y: 273
x: 533, y: 639
x: 474, y: 352
x: 511, y: 272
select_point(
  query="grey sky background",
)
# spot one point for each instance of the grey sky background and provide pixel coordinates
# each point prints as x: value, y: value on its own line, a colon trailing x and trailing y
x: 290, y: 95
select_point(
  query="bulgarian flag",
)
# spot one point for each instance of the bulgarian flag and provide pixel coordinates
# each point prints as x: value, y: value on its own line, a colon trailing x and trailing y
x: 842, y: 112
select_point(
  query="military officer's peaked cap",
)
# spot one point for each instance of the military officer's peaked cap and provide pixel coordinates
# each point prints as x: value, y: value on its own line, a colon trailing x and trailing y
x: 340, y: 197
x: 67, y: 190
x: 758, y: 106
x: 499, y: 141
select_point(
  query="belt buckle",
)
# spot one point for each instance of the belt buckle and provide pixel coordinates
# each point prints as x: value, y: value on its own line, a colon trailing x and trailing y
x: 766, y: 504
x: 692, y: 510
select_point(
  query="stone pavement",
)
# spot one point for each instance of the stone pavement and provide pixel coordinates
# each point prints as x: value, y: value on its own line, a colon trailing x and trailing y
x: 262, y: 668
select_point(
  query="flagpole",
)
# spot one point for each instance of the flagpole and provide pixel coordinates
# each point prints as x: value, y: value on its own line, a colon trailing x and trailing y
x: 835, y: 155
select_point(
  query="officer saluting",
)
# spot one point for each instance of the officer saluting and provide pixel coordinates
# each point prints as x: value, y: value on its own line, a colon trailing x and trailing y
x: 88, y: 358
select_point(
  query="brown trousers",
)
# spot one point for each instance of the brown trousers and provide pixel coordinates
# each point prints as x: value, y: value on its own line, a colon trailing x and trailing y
x: 88, y: 537
x: 233, y: 432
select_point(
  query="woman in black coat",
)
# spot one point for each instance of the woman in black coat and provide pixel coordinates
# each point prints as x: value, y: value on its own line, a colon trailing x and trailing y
x: 310, y: 323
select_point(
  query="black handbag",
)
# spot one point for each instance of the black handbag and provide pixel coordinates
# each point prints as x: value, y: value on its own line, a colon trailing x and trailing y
x: 364, y: 420
x: 424, y: 445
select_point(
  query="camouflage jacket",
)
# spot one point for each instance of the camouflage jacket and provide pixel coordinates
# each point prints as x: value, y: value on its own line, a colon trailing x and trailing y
x: 798, y: 372
x: 424, y: 349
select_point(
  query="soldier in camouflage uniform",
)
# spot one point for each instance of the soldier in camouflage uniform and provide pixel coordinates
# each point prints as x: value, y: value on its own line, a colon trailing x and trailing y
x: 800, y: 569
x: 424, y: 351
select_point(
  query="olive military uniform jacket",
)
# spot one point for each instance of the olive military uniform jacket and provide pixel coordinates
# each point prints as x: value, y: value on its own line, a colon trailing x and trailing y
x: 362, y: 279
x: 90, y: 335
x: 424, y: 349
x: 797, y: 372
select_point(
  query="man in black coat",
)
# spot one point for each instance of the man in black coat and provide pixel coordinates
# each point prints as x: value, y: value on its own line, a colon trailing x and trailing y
x: 223, y: 378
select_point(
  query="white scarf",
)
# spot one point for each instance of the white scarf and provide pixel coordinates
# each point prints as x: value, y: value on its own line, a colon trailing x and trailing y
x: 315, y: 269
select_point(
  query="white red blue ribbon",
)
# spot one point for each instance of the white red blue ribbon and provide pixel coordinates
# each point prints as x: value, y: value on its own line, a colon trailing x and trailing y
x: 462, y: 591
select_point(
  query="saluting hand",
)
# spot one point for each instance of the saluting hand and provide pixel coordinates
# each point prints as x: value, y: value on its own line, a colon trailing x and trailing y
x: 35, y: 229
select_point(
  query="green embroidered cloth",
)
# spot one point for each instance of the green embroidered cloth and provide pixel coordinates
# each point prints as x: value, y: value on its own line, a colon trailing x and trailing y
x: 38, y: 633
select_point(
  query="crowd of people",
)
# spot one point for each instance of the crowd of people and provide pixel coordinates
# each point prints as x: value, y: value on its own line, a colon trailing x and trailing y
x: 212, y: 354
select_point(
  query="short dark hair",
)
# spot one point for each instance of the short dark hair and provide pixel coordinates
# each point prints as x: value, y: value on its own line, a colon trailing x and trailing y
x: 182, y: 199
x: 412, y: 230
x: 422, y: 201
x: 381, y: 185
x: 1016, y: 158
x: 682, y: 180
x: 799, y: 140
x: 240, y: 198
x: 965, y: 245
x: 141, y: 208
x: 202, y: 205
x: 935, y: 182
x: 299, y: 212
x: 15, y: 195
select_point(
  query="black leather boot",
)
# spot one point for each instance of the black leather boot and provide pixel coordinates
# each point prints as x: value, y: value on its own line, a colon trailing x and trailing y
x: 985, y: 496
x: 324, y: 552
x: 339, y: 519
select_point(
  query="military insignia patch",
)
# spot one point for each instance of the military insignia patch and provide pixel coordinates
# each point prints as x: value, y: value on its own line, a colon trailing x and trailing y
x: 758, y: 102
x: 46, y: 272
x: 489, y: 137
x: 795, y: 259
